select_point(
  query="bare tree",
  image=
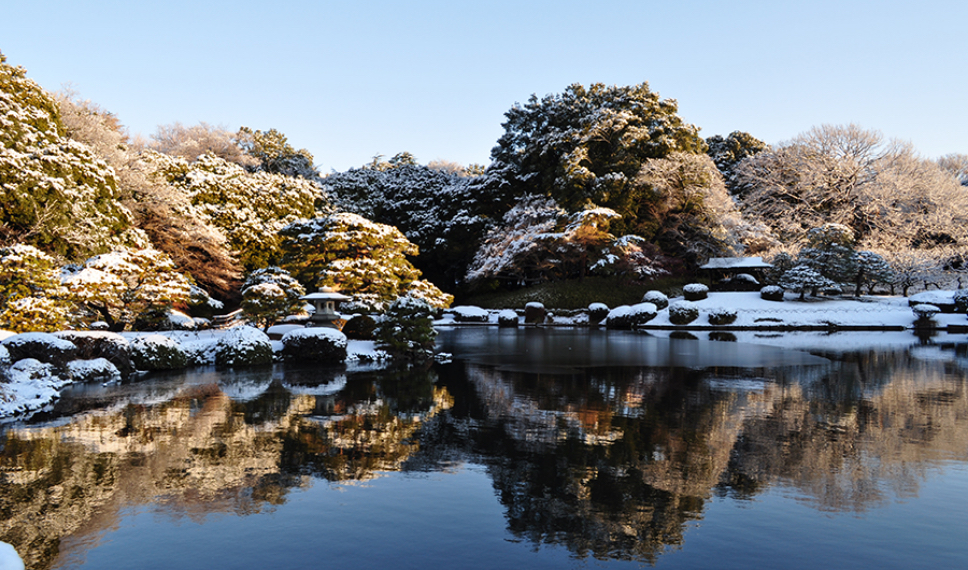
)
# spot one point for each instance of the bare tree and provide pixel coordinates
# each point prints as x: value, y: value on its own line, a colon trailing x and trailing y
x: 191, y: 142
x: 883, y: 190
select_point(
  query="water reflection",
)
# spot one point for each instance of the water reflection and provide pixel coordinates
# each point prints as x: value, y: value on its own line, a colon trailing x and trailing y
x: 609, y: 461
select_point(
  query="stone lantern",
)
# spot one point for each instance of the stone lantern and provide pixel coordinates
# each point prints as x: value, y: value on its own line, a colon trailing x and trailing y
x: 326, y: 302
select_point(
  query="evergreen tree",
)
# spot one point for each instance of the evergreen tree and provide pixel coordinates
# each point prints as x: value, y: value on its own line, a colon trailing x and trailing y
x: 270, y: 294
x: 800, y: 278
x: 54, y: 192
x: 359, y: 257
x: 31, y: 298
x: 585, y: 146
x: 407, y: 329
x: 119, y: 286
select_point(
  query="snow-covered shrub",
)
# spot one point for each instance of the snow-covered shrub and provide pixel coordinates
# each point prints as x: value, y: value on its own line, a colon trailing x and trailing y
x: 30, y: 291
x: 98, y: 369
x: 243, y: 346
x: 626, y: 316
x: 470, y: 314
x: 722, y: 316
x: 157, y: 352
x: 772, y: 293
x: 925, y: 313
x: 407, y: 329
x: 943, y: 300
x: 695, y: 292
x: 315, y: 344
x: 101, y: 344
x: 360, y: 327
x: 270, y: 294
x: 507, y: 318
x: 44, y: 347
x: 597, y: 312
x: 683, y: 312
x: 535, y: 313
x: 960, y: 297
x: 657, y: 298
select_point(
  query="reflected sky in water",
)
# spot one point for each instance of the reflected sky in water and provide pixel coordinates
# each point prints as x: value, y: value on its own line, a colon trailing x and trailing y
x: 533, y: 448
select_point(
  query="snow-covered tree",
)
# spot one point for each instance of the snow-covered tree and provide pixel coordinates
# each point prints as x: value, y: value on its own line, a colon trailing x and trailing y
x: 31, y: 298
x: 889, y: 196
x: 54, y: 192
x: 728, y: 152
x: 192, y: 142
x: 270, y: 294
x: 248, y: 208
x: 870, y: 269
x: 361, y: 258
x: 829, y: 250
x: 801, y: 278
x: 586, y: 145
x: 119, y: 286
x: 439, y: 211
x: 273, y: 154
x: 407, y: 329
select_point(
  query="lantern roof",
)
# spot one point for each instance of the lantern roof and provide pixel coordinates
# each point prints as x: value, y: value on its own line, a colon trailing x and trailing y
x: 326, y: 294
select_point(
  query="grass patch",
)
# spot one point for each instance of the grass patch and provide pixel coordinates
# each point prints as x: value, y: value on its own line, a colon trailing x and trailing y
x: 575, y: 294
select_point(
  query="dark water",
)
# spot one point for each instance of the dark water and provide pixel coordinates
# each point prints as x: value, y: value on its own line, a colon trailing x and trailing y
x: 532, y: 449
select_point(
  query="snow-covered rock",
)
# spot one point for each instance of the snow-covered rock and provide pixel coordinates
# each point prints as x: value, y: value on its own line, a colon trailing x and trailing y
x: 597, y: 312
x: 315, y: 344
x: 507, y: 318
x: 44, y: 347
x: 101, y: 344
x: 95, y: 370
x: 534, y: 313
x: 29, y: 385
x: 943, y: 300
x: 243, y: 346
x: 628, y: 316
x: 469, y: 314
x: 158, y: 352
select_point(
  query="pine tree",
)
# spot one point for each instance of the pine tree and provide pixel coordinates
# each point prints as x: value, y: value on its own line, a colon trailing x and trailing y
x: 270, y: 294
x: 407, y: 329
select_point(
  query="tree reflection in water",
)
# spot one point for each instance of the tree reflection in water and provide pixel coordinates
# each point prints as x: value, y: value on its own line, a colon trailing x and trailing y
x: 610, y: 462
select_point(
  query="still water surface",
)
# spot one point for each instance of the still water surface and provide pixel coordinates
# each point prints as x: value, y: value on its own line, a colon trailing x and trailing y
x: 533, y: 448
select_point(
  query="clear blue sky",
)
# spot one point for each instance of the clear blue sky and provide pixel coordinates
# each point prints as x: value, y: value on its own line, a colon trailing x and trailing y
x: 348, y: 80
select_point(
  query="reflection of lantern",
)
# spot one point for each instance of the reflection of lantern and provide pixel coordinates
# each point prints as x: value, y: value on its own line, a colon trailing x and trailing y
x: 326, y: 302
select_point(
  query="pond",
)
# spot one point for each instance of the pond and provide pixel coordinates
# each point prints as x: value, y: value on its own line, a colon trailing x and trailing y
x: 532, y: 448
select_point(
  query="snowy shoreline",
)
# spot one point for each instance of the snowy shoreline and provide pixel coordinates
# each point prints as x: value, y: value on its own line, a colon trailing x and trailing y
x: 27, y: 386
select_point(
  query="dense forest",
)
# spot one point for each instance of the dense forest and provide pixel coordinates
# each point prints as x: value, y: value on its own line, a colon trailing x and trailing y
x: 97, y: 226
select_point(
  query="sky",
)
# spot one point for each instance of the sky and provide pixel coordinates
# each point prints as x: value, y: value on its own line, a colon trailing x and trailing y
x: 351, y: 80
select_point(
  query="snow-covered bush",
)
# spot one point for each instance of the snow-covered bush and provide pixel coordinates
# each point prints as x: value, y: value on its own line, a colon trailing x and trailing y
x: 101, y: 344
x: 695, y: 292
x: 157, y: 352
x: 683, y: 312
x: 315, y: 344
x: 657, y: 298
x: 597, y: 312
x: 44, y: 347
x: 407, y: 329
x: 960, y: 297
x: 243, y: 346
x: 535, y: 313
x: 925, y: 313
x: 470, y: 314
x: 722, y: 316
x: 507, y: 318
x: 626, y: 316
x: 772, y: 293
